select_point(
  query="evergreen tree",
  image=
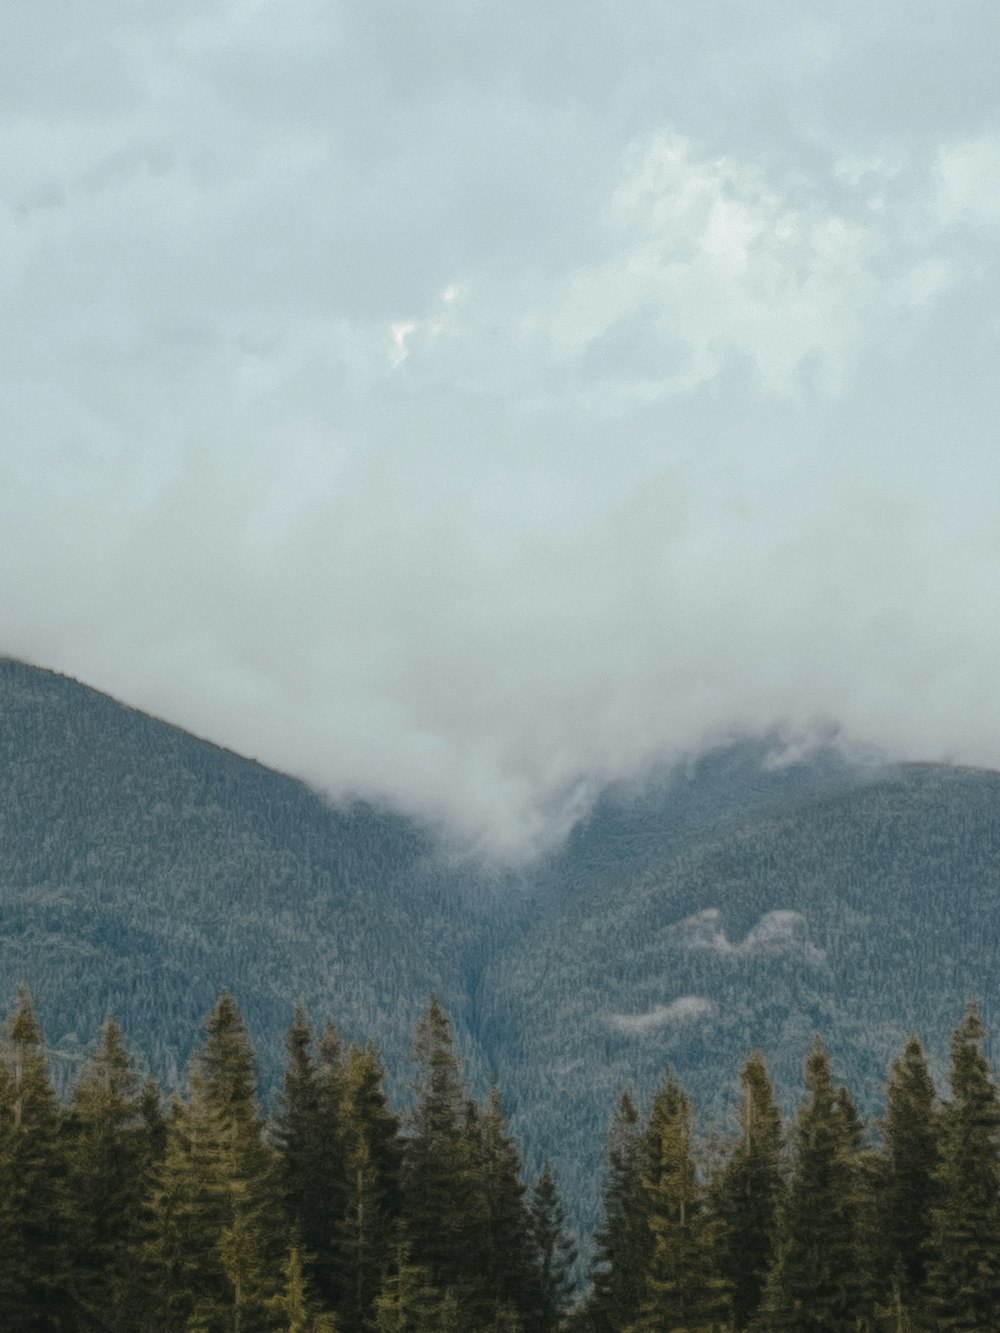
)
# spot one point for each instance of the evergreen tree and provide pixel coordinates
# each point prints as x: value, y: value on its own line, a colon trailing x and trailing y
x: 816, y: 1284
x: 749, y: 1193
x: 963, y: 1271
x: 905, y: 1184
x: 293, y: 1306
x: 624, y: 1242
x: 373, y: 1150
x: 216, y: 1244
x: 441, y: 1203
x: 507, y: 1275
x: 113, y: 1136
x: 33, y: 1274
x: 410, y: 1302
x: 684, y: 1289
x: 309, y: 1135
x: 555, y: 1254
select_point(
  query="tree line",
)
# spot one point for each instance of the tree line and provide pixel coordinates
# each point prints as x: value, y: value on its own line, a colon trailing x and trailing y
x: 340, y: 1215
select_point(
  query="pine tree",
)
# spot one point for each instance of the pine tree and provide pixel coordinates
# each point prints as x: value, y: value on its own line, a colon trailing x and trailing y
x: 113, y: 1128
x: 506, y: 1260
x: 963, y: 1271
x: 33, y: 1292
x: 293, y: 1307
x: 624, y: 1243
x: 441, y: 1203
x: 367, y: 1231
x: 817, y: 1283
x: 216, y: 1244
x: 410, y: 1302
x: 555, y: 1254
x: 684, y: 1289
x: 906, y: 1184
x: 749, y: 1193
x: 309, y: 1136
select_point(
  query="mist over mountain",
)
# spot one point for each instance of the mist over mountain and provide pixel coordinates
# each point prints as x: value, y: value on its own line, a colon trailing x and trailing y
x: 746, y: 900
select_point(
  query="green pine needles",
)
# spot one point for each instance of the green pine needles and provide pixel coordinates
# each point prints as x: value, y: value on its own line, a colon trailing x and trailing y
x: 338, y: 1214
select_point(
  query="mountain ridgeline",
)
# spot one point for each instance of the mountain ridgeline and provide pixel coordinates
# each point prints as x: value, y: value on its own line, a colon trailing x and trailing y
x: 738, y: 904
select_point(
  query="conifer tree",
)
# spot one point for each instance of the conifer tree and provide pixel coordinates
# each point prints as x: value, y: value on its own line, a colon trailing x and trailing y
x: 113, y: 1133
x: 963, y: 1271
x: 624, y: 1242
x: 507, y: 1274
x: 367, y: 1232
x: 293, y: 1307
x: 684, y: 1289
x: 441, y: 1203
x: 906, y: 1184
x: 32, y: 1172
x: 411, y: 1302
x: 816, y: 1284
x: 749, y: 1193
x: 555, y: 1253
x: 216, y: 1244
x: 309, y: 1135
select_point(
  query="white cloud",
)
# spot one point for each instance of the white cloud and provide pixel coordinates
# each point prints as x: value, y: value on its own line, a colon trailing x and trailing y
x: 687, y: 425
x: 686, y: 1009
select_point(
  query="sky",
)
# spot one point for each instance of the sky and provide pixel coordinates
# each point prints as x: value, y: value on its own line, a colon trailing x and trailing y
x: 468, y: 404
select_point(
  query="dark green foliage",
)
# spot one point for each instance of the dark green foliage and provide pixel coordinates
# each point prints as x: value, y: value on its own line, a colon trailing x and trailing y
x: 963, y: 1276
x: 749, y: 1194
x: 906, y: 1183
x: 444, y: 1208
x: 115, y: 1135
x: 624, y: 1241
x: 372, y: 1164
x: 33, y: 1260
x: 684, y: 1289
x: 817, y: 1282
x: 215, y: 1249
x: 555, y: 1254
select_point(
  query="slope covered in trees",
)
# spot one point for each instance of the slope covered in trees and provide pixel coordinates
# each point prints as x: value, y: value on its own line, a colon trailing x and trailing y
x: 734, y: 904
x: 343, y: 1213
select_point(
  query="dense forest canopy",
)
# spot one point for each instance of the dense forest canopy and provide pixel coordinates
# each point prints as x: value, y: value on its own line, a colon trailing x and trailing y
x: 340, y: 1212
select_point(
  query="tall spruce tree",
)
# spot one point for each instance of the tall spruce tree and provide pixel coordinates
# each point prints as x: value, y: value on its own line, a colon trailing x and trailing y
x: 367, y: 1231
x: 33, y: 1262
x: 442, y: 1204
x: 749, y: 1192
x: 308, y: 1132
x: 963, y: 1271
x: 624, y: 1242
x: 816, y: 1284
x: 216, y: 1247
x: 113, y: 1140
x: 906, y: 1181
x: 555, y: 1254
x: 684, y: 1288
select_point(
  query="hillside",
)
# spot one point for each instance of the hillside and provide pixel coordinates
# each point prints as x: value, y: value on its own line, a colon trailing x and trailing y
x: 732, y: 904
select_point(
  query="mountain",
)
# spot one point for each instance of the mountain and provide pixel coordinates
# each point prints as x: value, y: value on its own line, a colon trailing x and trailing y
x: 738, y: 902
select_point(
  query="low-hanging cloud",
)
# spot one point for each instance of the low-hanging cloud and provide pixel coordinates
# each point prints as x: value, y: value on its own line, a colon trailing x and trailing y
x: 465, y: 406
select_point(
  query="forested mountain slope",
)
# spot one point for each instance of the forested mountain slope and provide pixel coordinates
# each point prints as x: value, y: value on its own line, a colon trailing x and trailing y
x: 732, y: 905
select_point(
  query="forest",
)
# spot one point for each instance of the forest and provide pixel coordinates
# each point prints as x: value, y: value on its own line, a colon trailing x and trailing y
x: 339, y: 1213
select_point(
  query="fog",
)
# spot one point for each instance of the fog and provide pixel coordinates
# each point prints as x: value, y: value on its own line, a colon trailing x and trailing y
x: 465, y: 405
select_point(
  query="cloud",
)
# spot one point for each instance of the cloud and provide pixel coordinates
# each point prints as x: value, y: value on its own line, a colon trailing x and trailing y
x: 686, y: 1009
x: 466, y: 406
x: 777, y: 932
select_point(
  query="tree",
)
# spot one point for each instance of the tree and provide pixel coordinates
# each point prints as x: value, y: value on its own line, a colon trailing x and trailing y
x: 113, y: 1133
x: 555, y: 1253
x: 441, y: 1203
x: 624, y: 1242
x: 216, y: 1237
x: 32, y: 1173
x: 749, y: 1193
x: 816, y: 1282
x: 963, y: 1271
x: 907, y: 1189
x: 684, y: 1289
x: 367, y: 1231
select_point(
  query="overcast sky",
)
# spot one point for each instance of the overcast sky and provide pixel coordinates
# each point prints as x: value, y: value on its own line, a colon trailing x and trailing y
x: 469, y: 403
